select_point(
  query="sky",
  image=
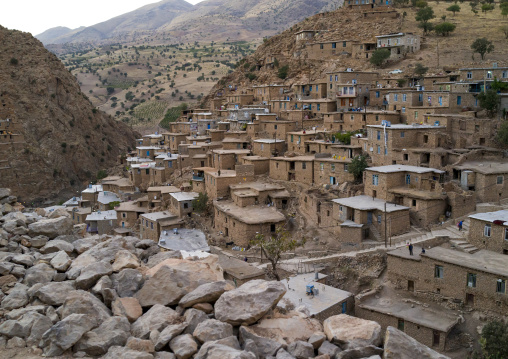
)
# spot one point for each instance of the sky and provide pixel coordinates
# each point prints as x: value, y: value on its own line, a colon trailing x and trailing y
x: 37, y: 16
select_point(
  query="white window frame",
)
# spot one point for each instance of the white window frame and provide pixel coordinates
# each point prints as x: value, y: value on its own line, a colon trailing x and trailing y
x: 487, y: 230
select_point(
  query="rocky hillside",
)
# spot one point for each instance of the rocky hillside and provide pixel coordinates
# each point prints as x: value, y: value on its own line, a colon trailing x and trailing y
x: 210, y: 20
x: 66, y: 140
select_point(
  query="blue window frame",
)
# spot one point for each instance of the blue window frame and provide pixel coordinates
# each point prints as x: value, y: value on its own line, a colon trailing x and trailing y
x: 459, y: 100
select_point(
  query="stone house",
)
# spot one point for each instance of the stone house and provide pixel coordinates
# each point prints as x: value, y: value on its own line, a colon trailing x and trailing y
x: 358, y: 120
x: 128, y: 214
x: 227, y: 159
x: 254, y: 193
x: 333, y: 121
x: 351, y: 77
x: 363, y: 217
x: 296, y: 140
x: 312, y: 90
x: 216, y: 182
x: 205, y: 125
x: 153, y: 223
x: 317, y: 107
x: 472, y: 74
x: 300, y: 169
x: 489, y: 231
x: 367, y: 4
x: 230, y: 143
x: 158, y: 194
x: 240, y: 99
x: 399, y: 44
x: 181, y: 203
x: 173, y: 139
x: 147, y: 151
x: 216, y: 135
x: 268, y: 147
x: 402, y: 99
x: 278, y: 106
x: 488, y: 178
x: 105, y: 198
x: 170, y: 162
x: 265, y: 93
x: 477, y: 280
x: 90, y: 195
x: 101, y: 222
x: 156, y: 140
x: 119, y: 186
x: 306, y: 35
x: 325, y: 49
x: 352, y: 95
x: 331, y: 171
x: 278, y: 128
x: 238, y: 271
x: 261, y: 164
x: 79, y: 215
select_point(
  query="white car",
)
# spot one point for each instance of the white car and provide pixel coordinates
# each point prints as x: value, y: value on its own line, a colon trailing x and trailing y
x: 396, y: 71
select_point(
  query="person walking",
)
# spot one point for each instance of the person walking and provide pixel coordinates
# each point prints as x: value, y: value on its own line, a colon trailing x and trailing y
x: 460, y: 225
x: 410, y: 249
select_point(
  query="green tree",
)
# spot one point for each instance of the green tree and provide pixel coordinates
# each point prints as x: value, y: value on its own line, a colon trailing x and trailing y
x: 110, y: 90
x: 14, y: 61
x: 283, y: 72
x: 200, y: 204
x: 489, y: 101
x: 357, y: 166
x: 102, y: 174
x: 502, y: 134
x: 114, y: 204
x: 487, y: 7
x: 504, y: 12
x: 423, y: 16
x: 344, y: 138
x: 444, y: 28
x: 494, y: 340
x: 278, y: 243
x: 482, y: 46
x: 420, y: 70
x: 379, y: 57
x: 474, y: 6
x: 454, y: 8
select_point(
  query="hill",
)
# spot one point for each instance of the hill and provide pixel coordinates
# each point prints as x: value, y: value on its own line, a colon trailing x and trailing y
x: 62, y: 140
x: 211, y: 20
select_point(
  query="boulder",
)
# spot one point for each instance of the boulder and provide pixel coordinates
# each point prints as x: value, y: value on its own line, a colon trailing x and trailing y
x: 4, y: 193
x: 329, y: 349
x: 54, y: 293
x: 23, y: 259
x: 13, y: 328
x: 39, y: 241
x: 90, y: 274
x: 40, y: 325
x: 172, y: 279
x: 193, y: 317
x: 117, y: 352
x: 398, y: 344
x: 125, y: 259
x: 57, y: 245
x: 184, y: 346
x: 363, y: 352
x: 15, y: 342
x: 51, y: 227
x: 84, y: 244
x: 170, y: 332
x: 301, y: 349
x: 18, y: 313
x: 141, y: 345
x: 215, y: 350
x: 61, y: 261
x: 81, y: 302
x: 39, y: 273
x: 161, y: 257
x: 164, y: 355
x: 207, y: 308
x: 265, y: 346
x: 249, y: 302
x: 212, y: 329
x: 113, y: 331
x: 127, y: 282
x: 317, y: 339
x: 351, y: 332
x: 6, y: 267
x: 7, y: 279
x: 64, y: 334
x: 59, y: 212
x: 17, y: 298
x: 282, y: 354
x: 156, y: 318
x: 127, y: 307
x: 206, y: 293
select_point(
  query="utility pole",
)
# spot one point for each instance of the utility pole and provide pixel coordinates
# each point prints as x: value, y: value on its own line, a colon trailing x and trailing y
x: 385, y: 226
x: 437, y: 52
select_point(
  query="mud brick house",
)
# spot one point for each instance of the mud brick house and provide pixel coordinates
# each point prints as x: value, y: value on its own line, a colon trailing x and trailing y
x: 402, y: 99
x: 399, y: 44
x: 170, y: 162
x: 363, y: 217
x: 338, y: 79
x: 300, y: 169
x: 477, y: 280
x: 296, y: 140
x: 331, y: 171
x: 268, y: 147
x: 277, y: 129
x: 431, y: 326
x: 317, y: 107
x: 472, y: 74
x: 230, y: 143
x: 120, y: 186
x: 173, y: 139
x: 79, y: 214
x: 240, y: 99
x: 241, y: 224
x: 206, y: 124
x: 489, y: 231
x: 181, y: 203
x: 101, y: 222
x: 418, y: 188
x: 333, y: 121
x: 216, y: 135
x: 158, y: 194
x: 128, y: 214
x: 312, y: 90
x: 254, y: 193
x: 265, y: 93
x: 326, y: 49
x: 216, y: 182
x: 153, y: 223
x: 261, y: 164
x: 147, y: 151
x: 227, y: 159
x: 488, y: 178
x: 105, y: 198
x: 358, y: 120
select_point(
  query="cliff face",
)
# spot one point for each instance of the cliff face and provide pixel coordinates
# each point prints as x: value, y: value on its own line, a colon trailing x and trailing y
x: 56, y: 139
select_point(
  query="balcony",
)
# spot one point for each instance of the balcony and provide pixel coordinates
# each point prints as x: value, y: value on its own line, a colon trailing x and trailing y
x: 198, y: 178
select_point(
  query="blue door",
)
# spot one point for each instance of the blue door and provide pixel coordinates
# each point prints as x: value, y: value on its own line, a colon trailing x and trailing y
x: 369, y: 217
x: 408, y: 179
x: 344, y: 307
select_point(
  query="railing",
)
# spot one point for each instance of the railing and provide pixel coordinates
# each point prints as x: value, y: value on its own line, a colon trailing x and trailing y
x: 198, y: 178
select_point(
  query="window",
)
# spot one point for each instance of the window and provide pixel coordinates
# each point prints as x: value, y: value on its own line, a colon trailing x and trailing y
x: 500, y: 179
x: 487, y: 230
x: 396, y: 97
x: 331, y: 78
x: 416, y: 115
x: 344, y: 307
x: 375, y: 180
x: 413, y: 203
x: 438, y: 272
x: 378, y: 135
x: 124, y: 215
x: 332, y: 167
x: 505, y: 74
x: 404, y: 97
x: 459, y: 100
x: 343, y: 43
x: 501, y: 286
x: 351, y: 90
x: 310, y: 88
x: 408, y: 179
x: 400, y: 325
x: 291, y: 138
x: 170, y: 164
x: 469, y: 75
x: 440, y: 100
x: 334, y: 45
x: 489, y: 74
x: 322, y: 166
x: 352, y: 117
x: 403, y: 110
x: 317, y: 88
x: 420, y: 97
x: 378, y: 149
x: 321, y: 46
x: 318, y: 107
x: 402, y: 134
x: 471, y: 280
x: 377, y: 94
x: 345, y: 167
x: 379, y: 218
x: 386, y: 151
x: 304, y: 166
x: 336, y: 77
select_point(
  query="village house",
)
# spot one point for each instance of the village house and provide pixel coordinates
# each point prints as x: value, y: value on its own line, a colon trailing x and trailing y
x: 79, y: 214
x: 367, y: 4
x: 265, y: 93
x: 216, y: 182
x: 205, y: 125
x: 317, y: 106
x: 227, y: 159
x: 147, y: 151
x: 169, y: 162
x: 106, y: 199
x: 238, y: 271
x: 268, y: 147
x: 479, y: 74
x: 155, y: 140
x: 261, y: 164
x: 477, y: 280
x: 300, y: 169
x: 230, y: 143
x: 489, y: 231
x: 90, y: 195
x: 326, y: 49
x: 101, y: 222
x: 128, y: 213
x: 296, y: 140
x: 159, y: 194
x: 152, y: 224
x: 399, y: 44
x: 254, y: 193
x: 331, y: 171
x: 306, y: 35
x: 358, y: 120
x: 240, y: 100
x: 121, y: 186
x: 277, y: 129
x: 488, y: 178
x: 173, y: 139
x: 310, y: 90
x: 188, y: 240
x: 181, y: 203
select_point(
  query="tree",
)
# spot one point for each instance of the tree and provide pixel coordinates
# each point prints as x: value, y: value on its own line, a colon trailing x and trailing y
x: 454, y: 8
x: 482, y: 46
x: 283, y: 72
x: 423, y: 16
x: 502, y: 134
x: 420, y: 70
x: 379, y: 56
x: 494, y: 340
x: 357, y: 166
x: 474, y: 5
x: 487, y: 7
x: 489, y: 101
x: 504, y: 13
x: 444, y: 28
x: 102, y: 174
x: 344, y: 138
x: 110, y: 90
x: 114, y: 204
x: 200, y: 204
x: 280, y: 242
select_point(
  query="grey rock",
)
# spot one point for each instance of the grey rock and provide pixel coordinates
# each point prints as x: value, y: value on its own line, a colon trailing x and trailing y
x: 127, y: 282
x: 193, y: 317
x: 84, y: 244
x: 109, y: 296
x: 184, y: 346
x: 114, y: 331
x: 161, y: 257
x: 141, y: 345
x: 13, y: 328
x: 127, y: 307
x: 39, y: 273
x: 301, y: 349
x: 352, y: 332
x: 39, y: 241
x: 19, y: 271
x: 23, y: 259
x: 317, y: 339
x: 104, y: 282
x: 206, y: 293
x: 40, y: 325
x: 328, y: 348
x: 81, y: 302
x: 6, y: 267
x: 216, y: 350
x: 64, y: 334
x: 164, y: 355
x: 5, y: 192
x: 57, y: 245
x: 61, y: 261
x: 149, y: 252
x: 145, y: 243
x: 15, y: 343
x: 398, y: 344
x: 156, y: 318
x: 249, y: 302
x: 90, y: 274
x: 265, y: 346
x: 166, y: 335
x: 51, y: 227
x: 17, y: 298
x: 212, y: 329
x: 282, y: 354
x: 125, y: 259
x: 117, y: 352
x: 250, y: 346
x: 55, y: 293
x: 52, y: 314
x: 18, y: 313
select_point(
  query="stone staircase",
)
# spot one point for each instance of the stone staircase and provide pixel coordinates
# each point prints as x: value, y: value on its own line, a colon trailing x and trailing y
x: 463, y: 246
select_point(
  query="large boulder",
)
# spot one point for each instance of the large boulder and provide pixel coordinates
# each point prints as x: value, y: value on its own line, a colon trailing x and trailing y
x: 221, y: 351
x: 157, y: 318
x: 206, y: 293
x: 161, y: 257
x: 57, y: 245
x: 127, y: 282
x: 127, y: 307
x: 351, y: 332
x: 301, y: 350
x: 114, y: 331
x: 51, y: 228
x: 81, y: 302
x: 39, y: 273
x: 249, y: 302
x: 61, y: 261
x: 184, y: 346
x: 38, y: 241
x: 170, y: 332
x: 125, y: 259
x: 90, y: 274
x: 64, y: 334
x: 363, y: 352
x: 170, y: 280
x: 17, y: 298
x: 117, y: 352
x: 264, y: 345
x: 54, y: 293
x: 212, y: 329
x: 399, y: 345
x: 40, y: 325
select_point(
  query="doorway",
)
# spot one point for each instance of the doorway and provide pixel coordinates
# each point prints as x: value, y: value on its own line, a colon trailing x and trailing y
x: 470, y: 299
x: 411, y: 285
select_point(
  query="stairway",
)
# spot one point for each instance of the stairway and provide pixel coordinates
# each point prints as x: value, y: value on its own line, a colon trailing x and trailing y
x: 375, y: 233
x: 463, y: 246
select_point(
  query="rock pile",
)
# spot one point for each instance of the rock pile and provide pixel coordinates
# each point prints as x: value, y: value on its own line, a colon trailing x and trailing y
x: 119, y: 297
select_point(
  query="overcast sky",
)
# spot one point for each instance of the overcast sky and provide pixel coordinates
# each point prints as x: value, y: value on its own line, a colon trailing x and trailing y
x: 37, y: 16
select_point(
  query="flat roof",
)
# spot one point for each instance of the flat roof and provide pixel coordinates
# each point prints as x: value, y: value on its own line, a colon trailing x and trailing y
x: 163, y: 189
x: 408, y: 127
x: 258, y: 186
x: 184, y: 239
x: 418, y: 193
x: 327, y: 296
x: 102, y: 216
x: 436, y: 318
x: 74, y: 201
x: 367, y: 203
x: 395, y: 34
x: 497, y: 216
x: 238, y: 268
x: 403, y: 168
x: 484, y: 167
x: 184, y: 196
x: 107, y: 197
x: 93, y: 189
x: 130, y: 207
x: 257, y: 214
x: 296, y: 158
x: 269, y: 140
x: 155, y: 216
x: 306, y: 132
